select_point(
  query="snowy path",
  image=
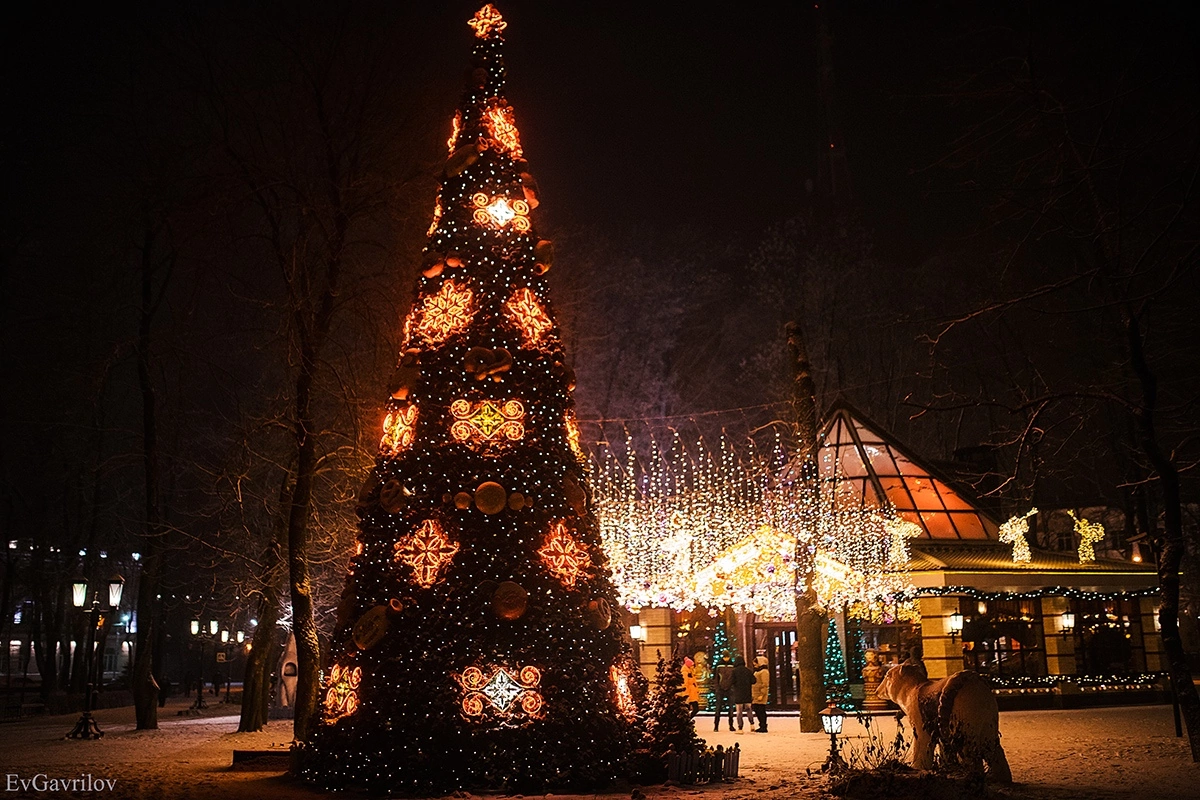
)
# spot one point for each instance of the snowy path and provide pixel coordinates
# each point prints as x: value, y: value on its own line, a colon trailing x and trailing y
x: 1092, y: 754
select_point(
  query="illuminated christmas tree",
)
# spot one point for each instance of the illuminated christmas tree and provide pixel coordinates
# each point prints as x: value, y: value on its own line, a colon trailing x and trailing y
x: 475, y: 647
x: 837, y: 686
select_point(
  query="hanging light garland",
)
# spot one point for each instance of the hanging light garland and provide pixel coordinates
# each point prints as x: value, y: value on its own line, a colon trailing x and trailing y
x: 691, y: 526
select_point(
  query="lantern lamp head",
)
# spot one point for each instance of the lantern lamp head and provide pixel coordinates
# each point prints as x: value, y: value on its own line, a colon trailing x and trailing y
x: 954, y: 623
x: 195, y: 627
x: 241, y: 636
x: 79, y: 592
x: 637, y: 633
x: 212, y: 627
x: 832, y: 718
x: 116, y: 586
x: 224, y: 637
x: 1067, y: 622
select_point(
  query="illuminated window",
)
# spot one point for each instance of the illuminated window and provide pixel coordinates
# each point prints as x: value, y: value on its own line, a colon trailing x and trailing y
x: 524, y: 311
x: 341, y: 694
x: 863, y: 462
x: 487, y: 423
x: 504, y: 692
x: 563, y: 556
x: 399, y: 428
x: 445, y: 313
x: 427, y: 550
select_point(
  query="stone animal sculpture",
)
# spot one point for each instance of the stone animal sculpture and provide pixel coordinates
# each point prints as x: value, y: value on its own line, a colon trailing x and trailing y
x: 958, y: 714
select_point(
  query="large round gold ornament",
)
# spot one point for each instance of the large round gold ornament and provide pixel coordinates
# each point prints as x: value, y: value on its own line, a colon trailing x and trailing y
x: 510, y: 600
x: 490, y: 498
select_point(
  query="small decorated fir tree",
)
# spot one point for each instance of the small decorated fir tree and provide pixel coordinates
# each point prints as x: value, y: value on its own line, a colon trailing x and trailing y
x: 837, y: 686
x: 668, y: 719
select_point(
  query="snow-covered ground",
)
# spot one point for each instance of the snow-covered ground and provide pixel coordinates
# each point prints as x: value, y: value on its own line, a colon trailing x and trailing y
x: 1093, y: 754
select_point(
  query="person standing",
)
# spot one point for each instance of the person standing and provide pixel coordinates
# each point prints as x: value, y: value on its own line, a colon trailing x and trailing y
x: 761, y: 692
x: 691, y: 689
x: 724, y: 676
x: 743, y: 682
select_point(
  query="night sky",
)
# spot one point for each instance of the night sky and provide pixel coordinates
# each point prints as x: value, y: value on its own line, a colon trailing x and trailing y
x: 658, y: 128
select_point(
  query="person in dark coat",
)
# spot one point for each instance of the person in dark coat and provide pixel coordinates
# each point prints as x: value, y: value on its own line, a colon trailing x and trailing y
x: 723, y: 678
x: 743, y: 682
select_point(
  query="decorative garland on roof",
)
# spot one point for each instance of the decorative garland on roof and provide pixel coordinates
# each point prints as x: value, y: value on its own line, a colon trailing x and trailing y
x: 1048, y: 591
x: 1050, y: 681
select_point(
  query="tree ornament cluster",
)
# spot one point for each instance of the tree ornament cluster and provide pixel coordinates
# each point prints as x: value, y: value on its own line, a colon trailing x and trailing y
x: 475, y: 648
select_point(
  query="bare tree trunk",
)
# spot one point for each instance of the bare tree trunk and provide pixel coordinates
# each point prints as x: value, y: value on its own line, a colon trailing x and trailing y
x: 1170, y: 547
x: 304, y: 627
x: 145, y: 688
x: 256, y: 686
x: 809, y: 644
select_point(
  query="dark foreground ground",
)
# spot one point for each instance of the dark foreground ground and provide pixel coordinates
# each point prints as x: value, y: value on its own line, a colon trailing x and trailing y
x: 1093, y: 754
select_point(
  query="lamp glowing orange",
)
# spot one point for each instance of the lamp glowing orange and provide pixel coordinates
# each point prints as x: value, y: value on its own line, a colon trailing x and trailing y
x: 573, y: 436
x: 625, y: 702
x: 455, y: 129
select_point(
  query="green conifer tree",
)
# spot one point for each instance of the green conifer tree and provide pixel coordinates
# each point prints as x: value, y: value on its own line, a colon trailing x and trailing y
x: 837, y: 686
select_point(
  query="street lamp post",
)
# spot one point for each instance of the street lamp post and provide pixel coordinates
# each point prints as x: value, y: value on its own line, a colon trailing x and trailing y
x: 86, y: 727
x: 831, y: 720
x: 201, y: 635
x: 228, y: 664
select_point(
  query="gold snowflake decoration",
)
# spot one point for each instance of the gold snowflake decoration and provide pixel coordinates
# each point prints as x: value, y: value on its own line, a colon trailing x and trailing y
x: 427, y: 550
x: 563, y: 556
x: 445, y: 313
x: 524, y: 311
